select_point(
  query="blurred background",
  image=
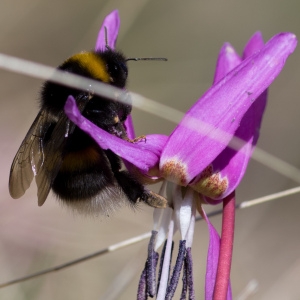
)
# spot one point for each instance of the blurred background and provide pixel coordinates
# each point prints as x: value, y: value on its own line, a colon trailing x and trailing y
x: 189, y: 34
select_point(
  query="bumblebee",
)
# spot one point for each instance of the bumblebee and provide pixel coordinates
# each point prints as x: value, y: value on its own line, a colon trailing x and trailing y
x: 80, y: 173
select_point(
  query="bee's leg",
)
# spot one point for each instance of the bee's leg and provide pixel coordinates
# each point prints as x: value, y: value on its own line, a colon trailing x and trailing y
x: 132, y: 188
x: 136, y: 192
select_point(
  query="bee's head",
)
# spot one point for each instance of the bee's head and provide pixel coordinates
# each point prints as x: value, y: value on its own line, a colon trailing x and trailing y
x: 116, y: 67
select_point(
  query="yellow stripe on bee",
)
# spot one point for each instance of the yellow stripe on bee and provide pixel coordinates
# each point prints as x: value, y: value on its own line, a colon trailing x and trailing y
x: 93, y: 64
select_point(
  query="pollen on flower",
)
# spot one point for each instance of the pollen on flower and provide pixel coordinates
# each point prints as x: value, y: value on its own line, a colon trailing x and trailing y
x: 174, y: 170
x: 209, y: 183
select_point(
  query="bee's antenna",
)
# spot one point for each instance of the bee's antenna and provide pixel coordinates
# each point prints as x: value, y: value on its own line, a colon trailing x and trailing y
x: 147, y: 58
x: 133, y: 58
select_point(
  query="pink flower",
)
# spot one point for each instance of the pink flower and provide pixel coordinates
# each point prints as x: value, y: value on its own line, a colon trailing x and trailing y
x: 202, y: 161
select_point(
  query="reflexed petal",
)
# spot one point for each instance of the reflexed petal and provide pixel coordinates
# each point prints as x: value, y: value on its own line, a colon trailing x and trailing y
x: 136, y: 153
x: 212, y: 257
x: 112, y: 24
x: 254, y: 44
x: 211, y: 123
x: 212, y: 260
x: 227, y: 170
x: 154, y: 143
x: 233, y: 162
x: 129, y: 127
x: 228, y: 59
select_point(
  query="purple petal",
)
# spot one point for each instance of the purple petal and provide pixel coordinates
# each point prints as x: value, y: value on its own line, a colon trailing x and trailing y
x: 154, y: 143
x: 112, y: 24
x: 212, y: 257
x: 254, y: 44
x: 225, y: 173
x: 143, y: 155
x: 233, y: 162
x: 129, y: 127
x: 210, y: 124
x: 228, y: 59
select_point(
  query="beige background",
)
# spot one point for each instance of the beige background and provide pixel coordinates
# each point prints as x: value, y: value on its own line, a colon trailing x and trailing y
x: 189, y: 34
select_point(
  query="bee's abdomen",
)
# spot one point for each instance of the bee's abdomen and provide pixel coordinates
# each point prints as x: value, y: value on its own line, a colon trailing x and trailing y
x: 81, y: 160
x: 83, y: 174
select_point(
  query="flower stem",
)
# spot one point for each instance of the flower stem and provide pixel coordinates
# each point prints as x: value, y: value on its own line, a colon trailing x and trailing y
x: 226, y: 246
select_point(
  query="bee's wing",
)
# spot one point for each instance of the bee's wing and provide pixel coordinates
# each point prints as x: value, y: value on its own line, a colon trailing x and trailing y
x: 29, y: 158
x: 40, y: 156
x: 53, y: 158
x: 53, y: 150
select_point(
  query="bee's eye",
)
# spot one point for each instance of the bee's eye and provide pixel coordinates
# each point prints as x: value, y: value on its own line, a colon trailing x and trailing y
x: 124, y: 67
x: 118, y: 69
x: 118, y: 72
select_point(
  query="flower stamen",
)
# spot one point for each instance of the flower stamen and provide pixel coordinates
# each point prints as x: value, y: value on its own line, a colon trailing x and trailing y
x: 184, y: 282
x: 176, y: 272
x: 151, y: 266
x: 189, y: 272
